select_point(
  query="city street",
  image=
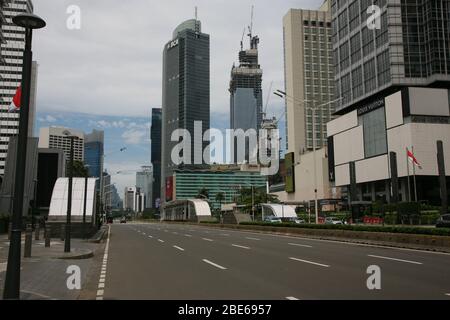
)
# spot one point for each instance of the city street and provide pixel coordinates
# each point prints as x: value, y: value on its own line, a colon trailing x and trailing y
x: 162, y: 261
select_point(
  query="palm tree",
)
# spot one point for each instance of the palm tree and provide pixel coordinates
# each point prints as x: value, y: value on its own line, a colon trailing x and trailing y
x: 220, y: 197
x: 203, y: 194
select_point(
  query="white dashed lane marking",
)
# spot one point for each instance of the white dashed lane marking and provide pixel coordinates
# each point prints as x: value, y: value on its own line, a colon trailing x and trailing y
x: 206, y: 239
x: 250, y: 238
x: 179, y: 248
x: 310, y: 262
x: 242, y: 247
x: 214, y: 264
x: 299, y: 245
x: 395, y: 259
x: 102, y: 279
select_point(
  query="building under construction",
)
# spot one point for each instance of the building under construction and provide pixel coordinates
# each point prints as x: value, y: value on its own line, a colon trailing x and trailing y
x: 245, y: 89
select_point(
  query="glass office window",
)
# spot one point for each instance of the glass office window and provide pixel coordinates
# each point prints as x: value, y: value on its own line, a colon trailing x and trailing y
x: 374, y: 127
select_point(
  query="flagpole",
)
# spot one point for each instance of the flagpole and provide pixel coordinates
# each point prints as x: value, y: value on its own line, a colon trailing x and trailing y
x: 407, y: 168
x: 414, y: 175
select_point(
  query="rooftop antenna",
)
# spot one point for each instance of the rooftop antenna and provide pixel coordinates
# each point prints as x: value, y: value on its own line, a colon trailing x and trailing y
x: 196, y: 13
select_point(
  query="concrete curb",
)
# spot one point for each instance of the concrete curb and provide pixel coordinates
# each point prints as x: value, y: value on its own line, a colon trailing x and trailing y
x: 397, y: 240
x: 77, y: 255
x: 98, y: 237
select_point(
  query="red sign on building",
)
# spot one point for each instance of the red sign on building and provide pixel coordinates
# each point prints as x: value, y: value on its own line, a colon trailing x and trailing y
x: 169, y: 188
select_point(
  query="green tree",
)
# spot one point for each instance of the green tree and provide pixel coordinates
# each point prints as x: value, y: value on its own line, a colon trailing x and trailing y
x: 203, y: 194
x: 79, y: 169
x: 260, y: 196
x: 220, y: 197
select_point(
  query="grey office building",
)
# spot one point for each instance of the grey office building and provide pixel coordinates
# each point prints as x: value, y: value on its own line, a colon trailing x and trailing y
x: 155, y: 136
x: 186, y: 96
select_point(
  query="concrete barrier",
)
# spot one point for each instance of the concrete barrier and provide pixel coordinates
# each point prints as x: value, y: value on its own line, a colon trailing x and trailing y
x: 403, y: 240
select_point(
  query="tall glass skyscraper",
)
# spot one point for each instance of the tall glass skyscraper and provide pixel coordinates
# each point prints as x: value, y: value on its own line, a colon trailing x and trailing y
x: 186, y: 96
x: 156, y: 155
x: 93, y: 152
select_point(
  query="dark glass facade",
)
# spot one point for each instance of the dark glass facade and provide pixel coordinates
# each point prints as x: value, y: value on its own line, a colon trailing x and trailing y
x: 186, y: 91
x: 156, y: 153
x: 411, y: 47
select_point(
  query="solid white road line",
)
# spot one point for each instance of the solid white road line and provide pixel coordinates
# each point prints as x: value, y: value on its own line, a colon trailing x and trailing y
x: 292, y: 298
x: 299, y: 245
x: 310, y: 262
x: 250, y: 238
x: 162, y: 241
x: 214, y: 264
x: 206, y: 239
x: 447, y: 294
x: 100, y: 292
x: 177, y: 247
x: 394, y: 259
x: 242, y: 247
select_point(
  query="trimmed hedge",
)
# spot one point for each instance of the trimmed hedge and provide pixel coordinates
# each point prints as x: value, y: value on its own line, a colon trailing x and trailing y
x: 405, y: 230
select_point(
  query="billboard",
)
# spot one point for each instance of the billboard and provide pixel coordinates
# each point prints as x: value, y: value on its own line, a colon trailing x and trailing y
x: 169, y: 188
x: 290, y: 172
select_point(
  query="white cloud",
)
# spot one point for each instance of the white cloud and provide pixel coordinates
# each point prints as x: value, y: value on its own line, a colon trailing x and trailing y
x: 113, y: 65
x: 134, y: 136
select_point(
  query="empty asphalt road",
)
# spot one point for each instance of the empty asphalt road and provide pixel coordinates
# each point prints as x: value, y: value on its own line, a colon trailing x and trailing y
x: 166, y: 261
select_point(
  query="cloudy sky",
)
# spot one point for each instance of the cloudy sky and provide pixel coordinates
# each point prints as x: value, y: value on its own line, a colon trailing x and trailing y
x: 108, y: 74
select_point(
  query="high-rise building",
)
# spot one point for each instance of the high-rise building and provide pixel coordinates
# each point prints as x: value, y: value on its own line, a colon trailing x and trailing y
x: 156, y: 155
x: 133, y: 200
x: 309, y: 75
x: 55, y: 138
x: 393, y: 76
x: 144, y: 181
x: 93, y: 152
x: 245, y: 89
x: 186, y: 93
x: 12, y: 39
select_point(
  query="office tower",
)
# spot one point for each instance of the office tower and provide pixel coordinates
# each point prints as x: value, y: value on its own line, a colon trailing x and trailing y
x: 186, y: 97
x: 93, y: 152
x: 144, y: 183
x: 133, y: 200
x: 55, y: 138
x: 245, y: 89
x: 156, y: 156
x: 309, y: 75
x: 394, y: 79
x: 12, y: 39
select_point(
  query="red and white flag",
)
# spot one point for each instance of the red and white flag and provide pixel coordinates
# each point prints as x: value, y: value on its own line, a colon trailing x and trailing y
x: 413, y: 159
x: 15, y: 104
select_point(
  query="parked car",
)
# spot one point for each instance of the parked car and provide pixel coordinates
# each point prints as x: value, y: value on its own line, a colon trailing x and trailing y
x: 443, y: 221
x: 293, y: 220
x: 123, y: 220
x: 273, y: 219
x: 332, y: 220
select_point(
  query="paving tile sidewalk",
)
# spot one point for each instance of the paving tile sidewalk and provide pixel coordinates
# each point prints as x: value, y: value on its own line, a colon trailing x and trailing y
x: 44, y: 275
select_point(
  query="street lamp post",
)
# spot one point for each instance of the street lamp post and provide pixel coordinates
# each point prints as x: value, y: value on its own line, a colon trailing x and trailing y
x: 69, y: 196
x: 12, y: 278
x: 85, y: 201
x: 283, y: 94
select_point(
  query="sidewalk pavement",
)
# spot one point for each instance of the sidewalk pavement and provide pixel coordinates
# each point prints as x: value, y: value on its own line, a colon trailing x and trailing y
x: 44, y: 275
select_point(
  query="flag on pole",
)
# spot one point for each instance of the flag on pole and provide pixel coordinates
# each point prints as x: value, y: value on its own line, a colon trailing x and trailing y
x: 413, y: 159
x: 15, y: 104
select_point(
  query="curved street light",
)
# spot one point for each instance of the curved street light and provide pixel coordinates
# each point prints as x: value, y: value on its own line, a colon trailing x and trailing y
x: 12, y: 278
